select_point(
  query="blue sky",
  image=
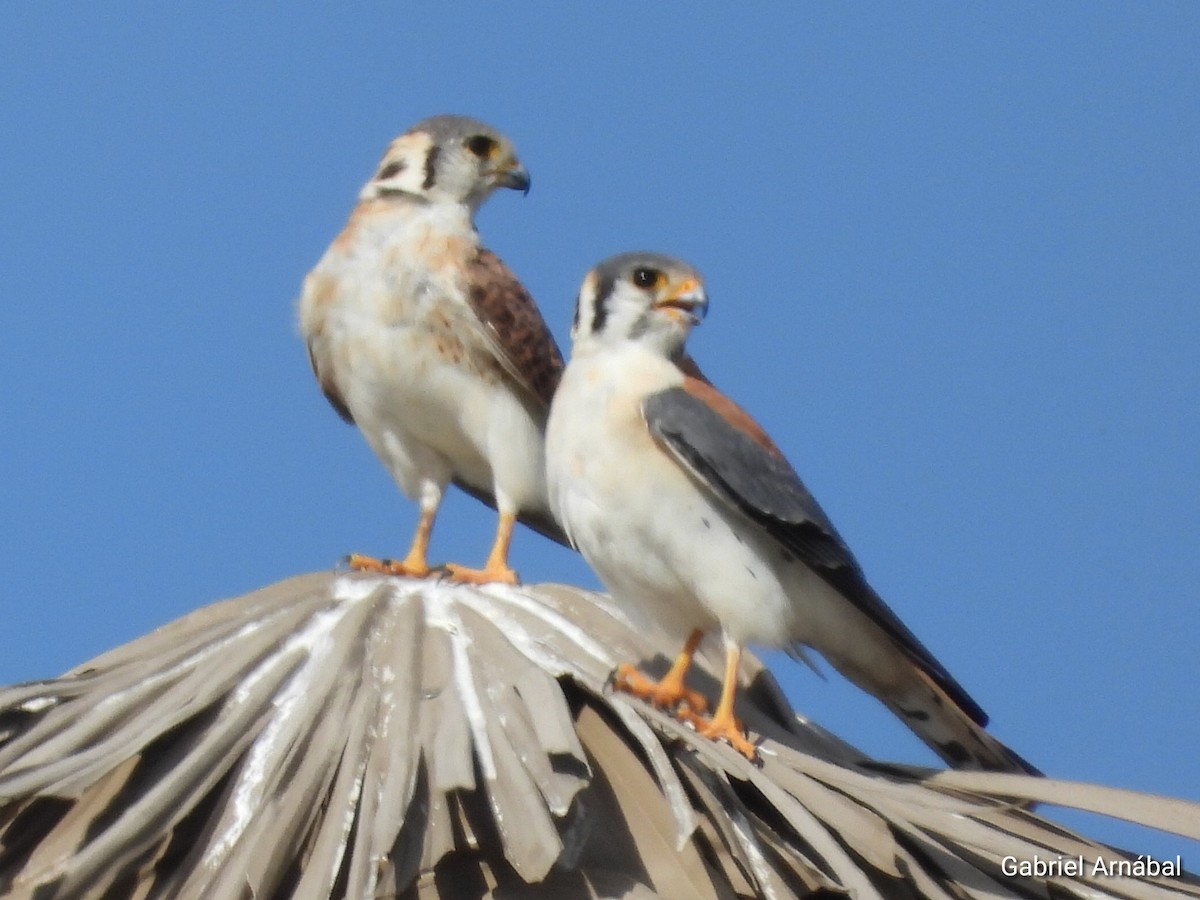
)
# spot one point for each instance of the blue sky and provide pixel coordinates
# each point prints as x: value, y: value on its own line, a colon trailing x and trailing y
x: 953, y: 254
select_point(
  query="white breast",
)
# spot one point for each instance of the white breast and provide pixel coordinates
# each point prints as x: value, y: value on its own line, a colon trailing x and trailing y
x: 385, y: 309
x: 660, y: 542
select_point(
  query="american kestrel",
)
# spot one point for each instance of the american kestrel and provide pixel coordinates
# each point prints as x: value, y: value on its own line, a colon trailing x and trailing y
x: 428, y: 343
x: 688, y: 512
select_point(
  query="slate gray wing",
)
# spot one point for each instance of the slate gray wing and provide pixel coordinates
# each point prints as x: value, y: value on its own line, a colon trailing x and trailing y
x: 515, y: 328
x: 747, y: 475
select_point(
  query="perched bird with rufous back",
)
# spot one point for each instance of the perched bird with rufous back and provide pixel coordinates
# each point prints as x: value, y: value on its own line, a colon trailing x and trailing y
x: 693, y: 517
x: 427, y: 342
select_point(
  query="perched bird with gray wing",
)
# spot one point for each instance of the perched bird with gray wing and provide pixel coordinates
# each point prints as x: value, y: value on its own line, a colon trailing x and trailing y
x: 427, y: 342
x: 688, y: 512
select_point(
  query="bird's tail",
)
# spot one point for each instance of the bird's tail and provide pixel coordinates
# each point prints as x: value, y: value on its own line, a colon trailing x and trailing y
x: 949, y: 731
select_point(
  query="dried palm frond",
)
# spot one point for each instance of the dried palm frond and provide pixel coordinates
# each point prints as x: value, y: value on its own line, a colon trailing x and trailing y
x: 363, y: 737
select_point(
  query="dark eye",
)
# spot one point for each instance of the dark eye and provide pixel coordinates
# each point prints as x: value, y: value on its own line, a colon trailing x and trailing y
x: 481, y: 145
x: 646, y: 278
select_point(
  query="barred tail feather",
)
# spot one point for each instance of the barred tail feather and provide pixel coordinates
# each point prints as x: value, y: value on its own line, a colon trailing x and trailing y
x: 950, y: 732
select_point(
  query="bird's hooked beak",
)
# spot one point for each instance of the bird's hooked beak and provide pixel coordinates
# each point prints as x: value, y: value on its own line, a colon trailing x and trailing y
x: 513, y: 175
x: 686, y: 302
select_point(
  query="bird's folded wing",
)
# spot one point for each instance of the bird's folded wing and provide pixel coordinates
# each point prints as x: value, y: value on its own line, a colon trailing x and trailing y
x: 738, y: 464
x: 519, y: 336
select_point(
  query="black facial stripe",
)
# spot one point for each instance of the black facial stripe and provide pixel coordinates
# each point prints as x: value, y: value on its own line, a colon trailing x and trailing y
x: 391, y: 169
x: 604, y: 287
x: 431, y: 166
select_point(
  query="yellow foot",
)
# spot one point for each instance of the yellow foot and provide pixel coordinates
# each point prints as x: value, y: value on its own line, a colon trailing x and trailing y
x: 487, y: 575
x: 408, y: 568
x: 730, y: 729
x: 666, y: 694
